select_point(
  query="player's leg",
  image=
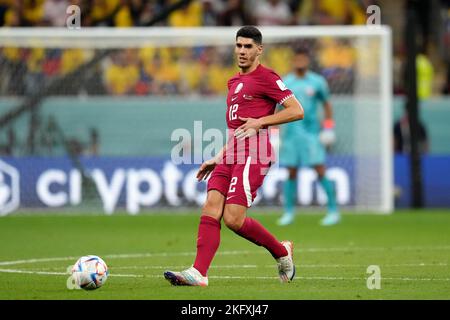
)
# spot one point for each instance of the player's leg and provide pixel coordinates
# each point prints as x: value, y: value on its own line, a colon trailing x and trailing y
x: 333, y: 215
x: 289, y: 158
x: 289, y: 197
x: 208, y: 240
x: 208, y: 236
x: 235, y: 218
x: 315, y: 157
x: 244, y: 184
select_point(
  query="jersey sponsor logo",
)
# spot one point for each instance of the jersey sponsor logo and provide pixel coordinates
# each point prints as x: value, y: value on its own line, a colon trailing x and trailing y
x: 248, y: 97
x: 238, y: 88
x: 233, y: 98
x: 281, y: 85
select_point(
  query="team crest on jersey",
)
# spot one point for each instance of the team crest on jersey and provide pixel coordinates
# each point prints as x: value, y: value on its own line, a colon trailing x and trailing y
x: 238, y: 88
x: 281, y: 85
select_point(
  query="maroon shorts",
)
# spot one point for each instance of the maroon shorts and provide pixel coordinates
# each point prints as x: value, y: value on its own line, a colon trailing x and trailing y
x: 238, y: 182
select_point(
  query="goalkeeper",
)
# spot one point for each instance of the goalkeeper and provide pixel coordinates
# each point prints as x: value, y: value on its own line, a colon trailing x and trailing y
x: 303, y: 142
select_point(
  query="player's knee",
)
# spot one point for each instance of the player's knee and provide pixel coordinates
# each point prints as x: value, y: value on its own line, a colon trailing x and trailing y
x: 213, y: 209
x: 232, y: 222
x: 214, y: 205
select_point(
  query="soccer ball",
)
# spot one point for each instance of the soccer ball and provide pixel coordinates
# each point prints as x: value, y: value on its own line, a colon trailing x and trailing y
x: 90, y: 272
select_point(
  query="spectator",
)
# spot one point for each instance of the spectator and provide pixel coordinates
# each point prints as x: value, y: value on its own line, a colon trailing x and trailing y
x: 55, y: 12
x: 209, y: 12
x: 33, y: 12
x: 189, y: 16
x: 12, y: 17
x: 122, y: 75
x: 136, y: 9
x: 330, y: 12
x: 425, y: 76
x: 123, y: 17
x: 272, y: 12
x: 165, y: 74
x: 234, y: 14
x: 102, y: 12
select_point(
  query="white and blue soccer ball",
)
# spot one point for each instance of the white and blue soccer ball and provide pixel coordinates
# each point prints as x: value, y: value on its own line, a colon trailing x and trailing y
x: 90, y: 272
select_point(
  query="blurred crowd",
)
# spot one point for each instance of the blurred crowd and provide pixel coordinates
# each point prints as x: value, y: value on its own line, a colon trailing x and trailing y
x: 199, y: 70
x: 161, y: 71
x: 127, y: 13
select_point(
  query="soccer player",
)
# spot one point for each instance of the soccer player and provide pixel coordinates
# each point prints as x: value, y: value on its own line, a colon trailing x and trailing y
x: 301, y: 141
x: 238, y: 171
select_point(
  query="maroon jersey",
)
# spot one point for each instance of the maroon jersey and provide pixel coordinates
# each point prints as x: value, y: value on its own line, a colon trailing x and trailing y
x: 253, y: 95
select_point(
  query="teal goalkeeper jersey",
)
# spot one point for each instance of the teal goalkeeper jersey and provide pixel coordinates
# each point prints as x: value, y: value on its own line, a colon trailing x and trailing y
x: 311, y: 90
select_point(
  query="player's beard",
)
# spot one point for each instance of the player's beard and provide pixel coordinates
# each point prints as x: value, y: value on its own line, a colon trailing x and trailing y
x: 247, y: 63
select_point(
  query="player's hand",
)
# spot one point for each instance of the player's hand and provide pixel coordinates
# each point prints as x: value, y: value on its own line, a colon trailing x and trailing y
x: 249, y: 128
x: 327, y: 136
x: 205, y: 169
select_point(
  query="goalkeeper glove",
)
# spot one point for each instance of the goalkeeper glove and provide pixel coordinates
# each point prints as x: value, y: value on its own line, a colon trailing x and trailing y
x: 327, y: 136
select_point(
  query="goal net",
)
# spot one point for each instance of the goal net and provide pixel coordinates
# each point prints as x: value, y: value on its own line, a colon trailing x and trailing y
x: 99, y: 115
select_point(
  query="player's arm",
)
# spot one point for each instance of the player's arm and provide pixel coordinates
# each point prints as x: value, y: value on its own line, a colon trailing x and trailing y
x: 328, y: 121
x: 328, y: 111
x: 292, y: 111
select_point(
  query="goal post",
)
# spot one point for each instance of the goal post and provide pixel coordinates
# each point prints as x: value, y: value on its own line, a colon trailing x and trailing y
x: 176, y: 77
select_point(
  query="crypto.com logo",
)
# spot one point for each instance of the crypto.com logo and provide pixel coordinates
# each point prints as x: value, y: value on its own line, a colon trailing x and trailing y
x: 9, y: 188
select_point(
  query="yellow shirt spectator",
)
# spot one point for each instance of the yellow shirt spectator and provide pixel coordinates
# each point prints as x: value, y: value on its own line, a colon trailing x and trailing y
x: 218, y: 77
x: 121, y: 80
x: 336, y: 55
x: 191, y: 16
x: 425, y: 74
x: 278, y: 58
x: 12, y: 54
x: 123, y: 18
x: 337, y: 9
x: 101, y: 9
x: 33, y: 11
x: 358, y: 13
x: 36, y: 59
x: 71, y: 59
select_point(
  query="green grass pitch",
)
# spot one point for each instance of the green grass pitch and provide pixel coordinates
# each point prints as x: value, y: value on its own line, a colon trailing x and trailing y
x: 411, y: 248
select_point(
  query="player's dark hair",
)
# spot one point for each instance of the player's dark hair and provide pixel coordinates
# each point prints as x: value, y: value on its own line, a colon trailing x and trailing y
x: 250, y: 32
